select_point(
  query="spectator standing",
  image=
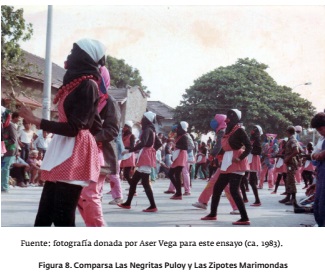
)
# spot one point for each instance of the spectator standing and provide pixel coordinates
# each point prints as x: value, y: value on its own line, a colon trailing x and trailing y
x: 290, y: 153
x: 25, y: 138
x: 9, y: 137
x: 318, y: 122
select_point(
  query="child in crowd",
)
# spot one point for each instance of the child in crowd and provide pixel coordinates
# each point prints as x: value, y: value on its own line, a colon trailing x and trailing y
x: 34, y: 161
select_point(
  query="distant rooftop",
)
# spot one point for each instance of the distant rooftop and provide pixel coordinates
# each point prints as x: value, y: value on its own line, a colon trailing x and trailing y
x: 57, y: 71
x: 28, y: 101
x: 120, y: 94
x: 160, y: 109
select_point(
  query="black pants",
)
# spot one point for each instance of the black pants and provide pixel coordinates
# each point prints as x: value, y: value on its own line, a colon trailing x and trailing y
x: 25, y: 152
x: 126, y: 174
x: 203, y: 166
x: 175, y: 177
x: 234, y: 181
x: 253, y: 184
x: 278, y: 179
x: 244, y: 186
x: 308, y: 177
x: 18, y: 173
x: 144, y: 177
x: 58, y: 204
x: 212, y: 170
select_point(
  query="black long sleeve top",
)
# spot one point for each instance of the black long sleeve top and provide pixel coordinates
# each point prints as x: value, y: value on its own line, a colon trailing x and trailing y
x: 182, y: 143
x: 132, y: 140
x: 110, y: 116
x: 146, y: 139
x: 239, y: 139
x: 256, y: 146
x: 80, y: 108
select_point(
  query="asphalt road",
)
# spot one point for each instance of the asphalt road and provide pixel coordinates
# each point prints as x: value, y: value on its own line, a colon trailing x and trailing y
x: 19, y: 207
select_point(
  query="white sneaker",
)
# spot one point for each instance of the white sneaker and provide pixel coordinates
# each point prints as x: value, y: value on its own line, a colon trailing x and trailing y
x: 200, y: 205
x: 116, y: 201
x: 235, y: 212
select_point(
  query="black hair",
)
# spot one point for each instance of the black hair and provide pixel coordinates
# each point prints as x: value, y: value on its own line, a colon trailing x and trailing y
x: 291, y: 130
x: 14, y: 115
x: 310, y: 145
x: 318, y: 120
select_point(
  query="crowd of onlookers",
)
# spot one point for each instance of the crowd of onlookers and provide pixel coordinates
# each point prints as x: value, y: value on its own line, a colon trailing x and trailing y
x: 31, y: 144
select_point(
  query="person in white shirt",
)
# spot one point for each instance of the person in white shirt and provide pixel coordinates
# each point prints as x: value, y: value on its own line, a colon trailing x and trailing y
x: 42, y: 142
x: 25, y: 137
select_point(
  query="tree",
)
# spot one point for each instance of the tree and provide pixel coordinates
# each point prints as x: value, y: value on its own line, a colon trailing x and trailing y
x: 123, y: 74
x: 14, y: 29
x: 248, y: 87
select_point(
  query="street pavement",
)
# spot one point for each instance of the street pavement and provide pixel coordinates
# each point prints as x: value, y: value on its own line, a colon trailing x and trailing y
x: 19, y: 207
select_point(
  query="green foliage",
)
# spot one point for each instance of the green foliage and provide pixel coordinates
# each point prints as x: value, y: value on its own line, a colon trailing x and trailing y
x: 248, y: 87
x: 13, y: 30
x: 123, y: 74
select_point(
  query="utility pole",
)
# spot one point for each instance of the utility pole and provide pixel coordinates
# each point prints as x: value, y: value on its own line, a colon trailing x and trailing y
x: 46, y: 112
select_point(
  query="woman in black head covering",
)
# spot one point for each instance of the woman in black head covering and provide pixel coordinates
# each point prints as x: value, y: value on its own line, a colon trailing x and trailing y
x: 148, y: 145
x: 233, y: 167
x: 71, y: 160
x: 128, y: 160
x: 179, y: 159
x: 308, y: 168
x: 255, y: 162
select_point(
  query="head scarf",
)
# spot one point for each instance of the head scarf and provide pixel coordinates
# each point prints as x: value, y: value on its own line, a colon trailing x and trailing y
x: 105, y: 80
x: 298, y: 129
x: 148, y: 119
x: 237, y: 112
x: 259, y: 128
x: 150, y: 116
x: 181, y: 128
x: 95, y: 49
x: 234, y: 116
x: 103, y: 86
x: 184, y: 125
x: 129, y: 124
x: 84, y: 60
x: 218, y: 123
